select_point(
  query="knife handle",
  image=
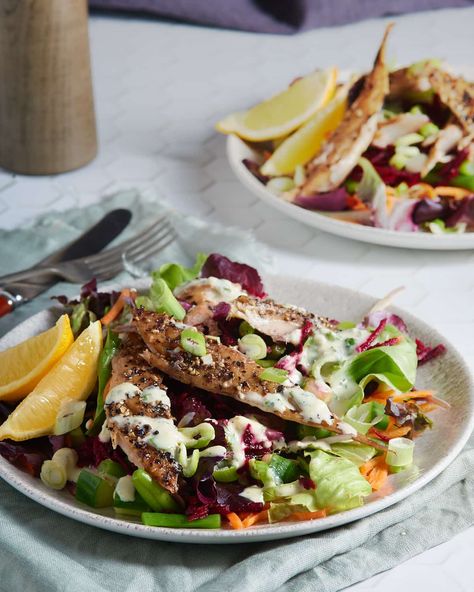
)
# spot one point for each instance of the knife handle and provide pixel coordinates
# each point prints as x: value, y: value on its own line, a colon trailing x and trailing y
x: 6, y: 305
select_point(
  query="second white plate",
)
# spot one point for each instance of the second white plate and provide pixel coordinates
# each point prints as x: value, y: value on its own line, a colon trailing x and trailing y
x: 237, y: 150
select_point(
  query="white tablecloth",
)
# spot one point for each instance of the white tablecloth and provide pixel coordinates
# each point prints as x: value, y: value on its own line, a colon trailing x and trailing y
x: 159, y: 89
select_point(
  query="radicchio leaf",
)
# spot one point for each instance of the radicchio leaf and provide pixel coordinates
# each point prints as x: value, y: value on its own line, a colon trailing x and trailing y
x: 221, y: 267
x: 333, y: 201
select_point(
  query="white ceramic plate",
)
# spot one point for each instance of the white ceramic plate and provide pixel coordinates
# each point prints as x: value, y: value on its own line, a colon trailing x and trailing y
x: 448, y: 376
x: 237, y: 150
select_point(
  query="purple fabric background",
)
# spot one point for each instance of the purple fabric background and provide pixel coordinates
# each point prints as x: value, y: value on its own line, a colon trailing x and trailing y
x: 274, y: 16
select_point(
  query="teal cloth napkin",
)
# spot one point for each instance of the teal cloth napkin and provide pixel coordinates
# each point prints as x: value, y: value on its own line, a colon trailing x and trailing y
x: 41, y: 550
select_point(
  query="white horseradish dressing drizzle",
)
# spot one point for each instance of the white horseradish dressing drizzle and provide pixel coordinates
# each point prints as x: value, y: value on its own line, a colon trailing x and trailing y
x: 234, y: 431
x: 217, y: 289
x: 160, y: 432
x: 125, y: 489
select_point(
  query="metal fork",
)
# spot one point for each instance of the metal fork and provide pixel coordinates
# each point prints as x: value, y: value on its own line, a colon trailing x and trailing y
x: 109, y: 263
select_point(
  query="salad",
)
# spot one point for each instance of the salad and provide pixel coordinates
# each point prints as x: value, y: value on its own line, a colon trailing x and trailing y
x: 389, y: 149
x: 215, y: 406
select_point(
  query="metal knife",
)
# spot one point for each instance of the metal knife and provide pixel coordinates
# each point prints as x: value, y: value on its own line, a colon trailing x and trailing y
x: 90, y: 242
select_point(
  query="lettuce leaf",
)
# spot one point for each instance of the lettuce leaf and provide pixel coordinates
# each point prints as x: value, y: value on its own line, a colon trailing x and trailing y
x: 353, y: 451
x: 175, y: 274
x: 393, y: 365
x: 339, y: 484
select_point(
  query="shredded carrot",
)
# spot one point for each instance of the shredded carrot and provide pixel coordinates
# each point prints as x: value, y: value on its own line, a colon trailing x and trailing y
x: 118, y: 306
x: 355, y: 203
x: 297, y: 516
x: 412, y: 395
x: 234, y: 521
x: 422, y: 190
x: 369, y: 465
x: 375, y: 472
x: 377, y: 478
x: 255, y: 518
x: 456, y: 192
x: 389, y: 196
x: 379, y: 396
x: 397, y: 432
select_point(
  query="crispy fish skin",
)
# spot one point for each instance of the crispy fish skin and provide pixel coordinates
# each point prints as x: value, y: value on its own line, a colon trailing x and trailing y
x: 351, y: 139
x: 231, y: 373
x: 129, y: 366
x: 457, y: 94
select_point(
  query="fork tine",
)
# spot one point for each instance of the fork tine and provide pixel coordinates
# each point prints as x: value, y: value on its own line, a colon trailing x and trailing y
x: 102, y: 266
x: 110, y: 254
x: 154, y: 249
x: 164, y: 232
x: 106, y: 272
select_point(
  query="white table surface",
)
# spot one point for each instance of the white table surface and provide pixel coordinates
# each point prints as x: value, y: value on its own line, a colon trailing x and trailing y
x: 159, y: 89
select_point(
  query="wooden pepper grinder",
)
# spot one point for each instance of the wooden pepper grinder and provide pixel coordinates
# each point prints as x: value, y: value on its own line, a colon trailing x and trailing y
x: 47, y: 120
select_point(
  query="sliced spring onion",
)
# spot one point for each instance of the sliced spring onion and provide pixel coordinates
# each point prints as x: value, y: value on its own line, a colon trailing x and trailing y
x: 467, y: 168
x: 190, y: 464
x: 303, y: 431
x: 402, y: 188
x: 180, y: 520
x: 154, y: 495
x: 53, y: 475
x: 111, y: 468
x: 198, y: 436
x: 416, y: 110
x: 161, y: 299
x: 277, y: 350
x: 398, y: 161
x: 274, y: 375
x: 408, y: 140
x: 299, y: 176
x: 245, y: 329
x: 281, y: 184
x: 343, y: 325
x: 193, y: 342
x: 266, y: 363
x: 67, y: 458
x: 429, y: 129
x: 61, y: 468
x: 407, y: 151
x: 363, y: 417
x: 466, y: 181
x: 351, y: 185
x: 226, y: 474
x: 70, y: 416
x: 253, y: 346
x: 400, y: 453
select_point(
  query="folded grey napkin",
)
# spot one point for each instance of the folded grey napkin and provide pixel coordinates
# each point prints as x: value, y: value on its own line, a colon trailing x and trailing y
x: 274, y: 16
x: 41, y: 550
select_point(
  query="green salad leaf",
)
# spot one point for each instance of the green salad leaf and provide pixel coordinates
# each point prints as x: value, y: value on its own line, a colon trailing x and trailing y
x: 353, y: 451
x: 339, y: 484
x: 393, y: 365
x: 175, y: 274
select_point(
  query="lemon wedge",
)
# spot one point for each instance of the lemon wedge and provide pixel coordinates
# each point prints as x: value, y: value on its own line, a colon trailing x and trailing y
x: 71, y: 378
x: 23, y: 366
x: 283, y: 113
x: 307, y: 141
